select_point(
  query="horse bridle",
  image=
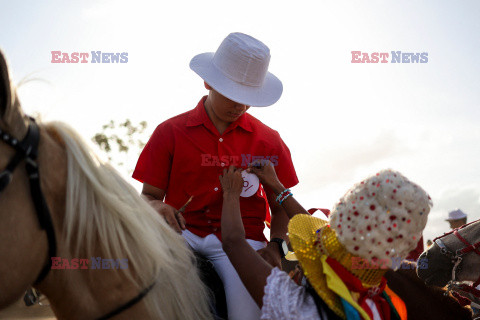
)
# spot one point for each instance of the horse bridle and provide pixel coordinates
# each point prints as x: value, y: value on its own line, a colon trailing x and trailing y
x: 27, y: 149
x: 456, y: 259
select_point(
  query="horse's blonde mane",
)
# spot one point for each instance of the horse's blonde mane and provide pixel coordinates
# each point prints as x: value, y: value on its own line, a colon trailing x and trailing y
x: 104, y: 212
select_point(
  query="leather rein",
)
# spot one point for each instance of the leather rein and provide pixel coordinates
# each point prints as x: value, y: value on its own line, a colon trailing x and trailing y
x: 27, y: 149
x: 473, y: 294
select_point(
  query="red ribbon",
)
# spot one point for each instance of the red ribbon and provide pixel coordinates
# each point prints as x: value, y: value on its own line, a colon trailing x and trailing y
x: 354, y: 284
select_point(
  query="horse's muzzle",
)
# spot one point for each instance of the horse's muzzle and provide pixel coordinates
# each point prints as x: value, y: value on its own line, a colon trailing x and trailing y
x: 436, y: 269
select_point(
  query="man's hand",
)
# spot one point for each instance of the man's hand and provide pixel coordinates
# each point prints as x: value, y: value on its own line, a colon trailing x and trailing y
x: 173, y: 217
x: 232, y: 182
x: 271, y: 254
x: 154, y: 196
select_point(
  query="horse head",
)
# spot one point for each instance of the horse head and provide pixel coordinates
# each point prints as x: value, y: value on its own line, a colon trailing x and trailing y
x: 24, y: 245
x: 452, y: 252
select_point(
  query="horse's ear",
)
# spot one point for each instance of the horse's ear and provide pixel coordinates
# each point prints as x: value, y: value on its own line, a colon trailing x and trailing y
x: 11, y: 113
x: 5, y: 89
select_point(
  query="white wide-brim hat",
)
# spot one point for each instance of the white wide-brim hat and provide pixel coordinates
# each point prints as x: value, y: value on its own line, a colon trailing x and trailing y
x: 456, y: 215
x: 238, y: 70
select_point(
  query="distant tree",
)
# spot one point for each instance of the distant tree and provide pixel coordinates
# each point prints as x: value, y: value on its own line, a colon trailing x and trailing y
x: 121, y: 140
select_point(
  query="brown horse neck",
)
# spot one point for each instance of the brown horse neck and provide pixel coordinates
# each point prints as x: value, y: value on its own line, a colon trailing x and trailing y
x: 424, y: 302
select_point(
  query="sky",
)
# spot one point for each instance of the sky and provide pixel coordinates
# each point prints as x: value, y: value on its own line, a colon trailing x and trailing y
x: 341, y: 120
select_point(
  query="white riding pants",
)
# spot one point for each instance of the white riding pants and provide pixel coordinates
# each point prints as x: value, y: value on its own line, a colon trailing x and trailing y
x: 240, y: 304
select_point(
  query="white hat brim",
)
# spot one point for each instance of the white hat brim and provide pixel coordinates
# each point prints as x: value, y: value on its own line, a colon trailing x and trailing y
x: 263, y: 96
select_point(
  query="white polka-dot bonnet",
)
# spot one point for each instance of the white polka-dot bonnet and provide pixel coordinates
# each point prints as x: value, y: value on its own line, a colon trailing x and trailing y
x: 381, y: 217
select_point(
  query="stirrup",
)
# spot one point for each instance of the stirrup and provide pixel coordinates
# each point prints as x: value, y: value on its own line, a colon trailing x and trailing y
x: 31, y: 297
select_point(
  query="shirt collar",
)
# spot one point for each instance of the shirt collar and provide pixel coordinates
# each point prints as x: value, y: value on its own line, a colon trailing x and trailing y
x: 199, y: 116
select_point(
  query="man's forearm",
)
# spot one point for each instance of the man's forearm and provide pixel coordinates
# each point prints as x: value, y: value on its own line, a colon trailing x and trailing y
x: 149, y: 197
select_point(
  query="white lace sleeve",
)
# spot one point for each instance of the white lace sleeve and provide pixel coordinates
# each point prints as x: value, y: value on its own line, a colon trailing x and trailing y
x: 285, y: 300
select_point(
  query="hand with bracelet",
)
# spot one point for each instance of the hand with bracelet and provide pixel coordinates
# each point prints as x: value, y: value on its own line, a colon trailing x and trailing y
x: 265, y: 171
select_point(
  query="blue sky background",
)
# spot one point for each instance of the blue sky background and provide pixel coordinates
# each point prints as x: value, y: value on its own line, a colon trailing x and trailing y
x: 342, y: 121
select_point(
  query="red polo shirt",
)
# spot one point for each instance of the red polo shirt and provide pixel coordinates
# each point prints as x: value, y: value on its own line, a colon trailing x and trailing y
x: 186, y: 154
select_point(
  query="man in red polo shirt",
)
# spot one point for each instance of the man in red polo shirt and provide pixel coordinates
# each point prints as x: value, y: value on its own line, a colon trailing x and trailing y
x: 186, y: 155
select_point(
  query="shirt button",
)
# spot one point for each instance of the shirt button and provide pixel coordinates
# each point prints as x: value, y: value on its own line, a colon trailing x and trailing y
x: 221, y: 139
x: 208, y: 210
x: 223, y: 164
x: 209, y: 221
x: 216, y: 189
x: 215, y: 229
